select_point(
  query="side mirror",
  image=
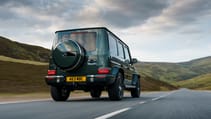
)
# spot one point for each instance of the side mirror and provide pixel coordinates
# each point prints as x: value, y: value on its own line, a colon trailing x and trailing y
x: 134, y: 60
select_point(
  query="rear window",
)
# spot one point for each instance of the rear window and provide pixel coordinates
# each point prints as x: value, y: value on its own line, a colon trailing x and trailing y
x: 85, y: 39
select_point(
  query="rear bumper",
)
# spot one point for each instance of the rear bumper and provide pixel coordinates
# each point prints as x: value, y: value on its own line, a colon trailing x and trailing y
x: 90, y: 80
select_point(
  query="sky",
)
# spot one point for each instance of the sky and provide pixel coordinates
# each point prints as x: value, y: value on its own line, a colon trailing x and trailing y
x: 155, y: 30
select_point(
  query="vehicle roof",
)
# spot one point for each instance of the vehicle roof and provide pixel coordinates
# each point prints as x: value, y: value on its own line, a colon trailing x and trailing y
x: 82, y: 29
x: 94, y: 28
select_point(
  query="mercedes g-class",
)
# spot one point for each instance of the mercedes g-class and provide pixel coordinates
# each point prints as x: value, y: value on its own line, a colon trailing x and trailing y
x: 94, y: 60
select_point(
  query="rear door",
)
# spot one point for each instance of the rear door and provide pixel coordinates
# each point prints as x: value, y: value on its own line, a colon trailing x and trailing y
x: 127, y: 61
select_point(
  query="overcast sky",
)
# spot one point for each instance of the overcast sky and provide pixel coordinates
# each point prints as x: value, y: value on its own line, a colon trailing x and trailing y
x: 155, y: 30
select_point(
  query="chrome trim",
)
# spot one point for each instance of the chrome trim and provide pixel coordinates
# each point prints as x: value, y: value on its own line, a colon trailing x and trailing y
x: 115, y: 63
x: 91, y: 76
x: 54, y: 76
x: 94, y: 76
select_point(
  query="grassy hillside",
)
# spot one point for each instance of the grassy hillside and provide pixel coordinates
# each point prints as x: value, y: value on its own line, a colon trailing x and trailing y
x: 169, y: 72
x: 200, y: 66
x: 22, y: 78
x: 150, y: 84
x: 200, y: 82
x: 23, y: 51
x: 172, y: 72
x: 19, y: 77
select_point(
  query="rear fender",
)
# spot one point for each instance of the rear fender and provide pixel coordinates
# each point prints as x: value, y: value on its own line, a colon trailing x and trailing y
x: 115, y: 71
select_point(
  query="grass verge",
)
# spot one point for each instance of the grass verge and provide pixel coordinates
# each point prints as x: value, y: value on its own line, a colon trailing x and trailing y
x: 9, y: 59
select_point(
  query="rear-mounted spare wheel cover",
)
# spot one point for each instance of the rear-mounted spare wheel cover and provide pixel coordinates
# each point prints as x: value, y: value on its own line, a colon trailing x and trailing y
x: 68, y: 55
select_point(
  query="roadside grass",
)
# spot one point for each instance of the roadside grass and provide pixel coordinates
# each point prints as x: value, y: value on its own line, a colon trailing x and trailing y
x: 22, y: 78
x: 9, y: 59
x: 24, y: 96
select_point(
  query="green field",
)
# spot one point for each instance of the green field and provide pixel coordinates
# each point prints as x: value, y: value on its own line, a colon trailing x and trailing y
x: 202, y: 82
x: 22, y: 78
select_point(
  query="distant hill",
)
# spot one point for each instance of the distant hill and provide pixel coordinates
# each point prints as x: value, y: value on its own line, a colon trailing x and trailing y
x: 171, y: 72
x: 150, y: 84
x: 200, y: 82
x: 23, y: 51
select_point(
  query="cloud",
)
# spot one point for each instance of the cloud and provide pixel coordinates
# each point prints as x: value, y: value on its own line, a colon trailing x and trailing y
x: 70, y: 13
x: 29, y: 20
x: 178, y: 14
x: 149, y: 27
x: 124, y: 13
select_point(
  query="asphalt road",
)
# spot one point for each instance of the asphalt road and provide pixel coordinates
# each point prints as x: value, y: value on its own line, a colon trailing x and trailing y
x: 179, y: 104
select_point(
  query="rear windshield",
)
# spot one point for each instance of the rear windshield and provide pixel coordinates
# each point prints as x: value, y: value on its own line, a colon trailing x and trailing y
x: 86, y: 39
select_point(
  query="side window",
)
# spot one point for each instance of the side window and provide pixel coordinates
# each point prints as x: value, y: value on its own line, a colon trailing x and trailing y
x: 120, y: 50
x: 127, y: 54
x: 112, y: 46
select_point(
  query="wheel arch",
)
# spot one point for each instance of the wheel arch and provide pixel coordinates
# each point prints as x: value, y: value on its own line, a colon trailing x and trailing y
x: 135, y: 77
x: 115, y: 70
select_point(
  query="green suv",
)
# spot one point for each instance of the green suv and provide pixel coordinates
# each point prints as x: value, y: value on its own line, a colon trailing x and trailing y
x: 94, y: 60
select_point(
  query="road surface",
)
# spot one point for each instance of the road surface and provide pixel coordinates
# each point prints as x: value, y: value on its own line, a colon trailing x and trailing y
x: 179, y: 104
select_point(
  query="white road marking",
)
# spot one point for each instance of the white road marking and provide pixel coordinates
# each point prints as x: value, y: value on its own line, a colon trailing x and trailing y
x: 142, y: 102
x: 162, y: 96
x: 106, y: 116
x: 157, y: 98
x: 22, y: 101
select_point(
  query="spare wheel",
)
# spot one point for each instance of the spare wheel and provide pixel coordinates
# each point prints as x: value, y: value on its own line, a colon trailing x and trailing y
x: 68, y: 55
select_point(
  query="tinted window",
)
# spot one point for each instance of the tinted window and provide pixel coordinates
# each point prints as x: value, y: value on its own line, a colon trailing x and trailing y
x: 86, y: 39
x: 127, y: 54
x: 120, y: 50
x: 112, y: 46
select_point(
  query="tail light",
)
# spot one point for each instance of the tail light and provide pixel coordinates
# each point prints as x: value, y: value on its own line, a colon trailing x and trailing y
x: 51, y: 72
x: 103, y: 71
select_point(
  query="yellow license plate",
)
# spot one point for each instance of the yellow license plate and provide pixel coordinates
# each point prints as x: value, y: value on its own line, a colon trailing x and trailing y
x: 76, y: 79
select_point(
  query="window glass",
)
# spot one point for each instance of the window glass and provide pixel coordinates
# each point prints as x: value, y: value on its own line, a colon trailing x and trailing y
x: 112, y: 46
x: 86, y: 39
x: 127, y: 54
x: 120, y: 50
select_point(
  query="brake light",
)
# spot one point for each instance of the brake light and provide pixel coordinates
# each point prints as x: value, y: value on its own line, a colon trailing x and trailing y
x: 51, y: 72
x: 103, y: 71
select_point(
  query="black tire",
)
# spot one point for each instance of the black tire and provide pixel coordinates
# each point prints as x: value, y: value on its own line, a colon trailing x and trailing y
x: 116, y: 90
x: 95, y: 93
x: 59, y: 93
x: 135, y: 92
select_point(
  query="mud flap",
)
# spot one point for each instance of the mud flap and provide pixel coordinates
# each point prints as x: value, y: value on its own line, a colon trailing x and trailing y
x: 135, y: 78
